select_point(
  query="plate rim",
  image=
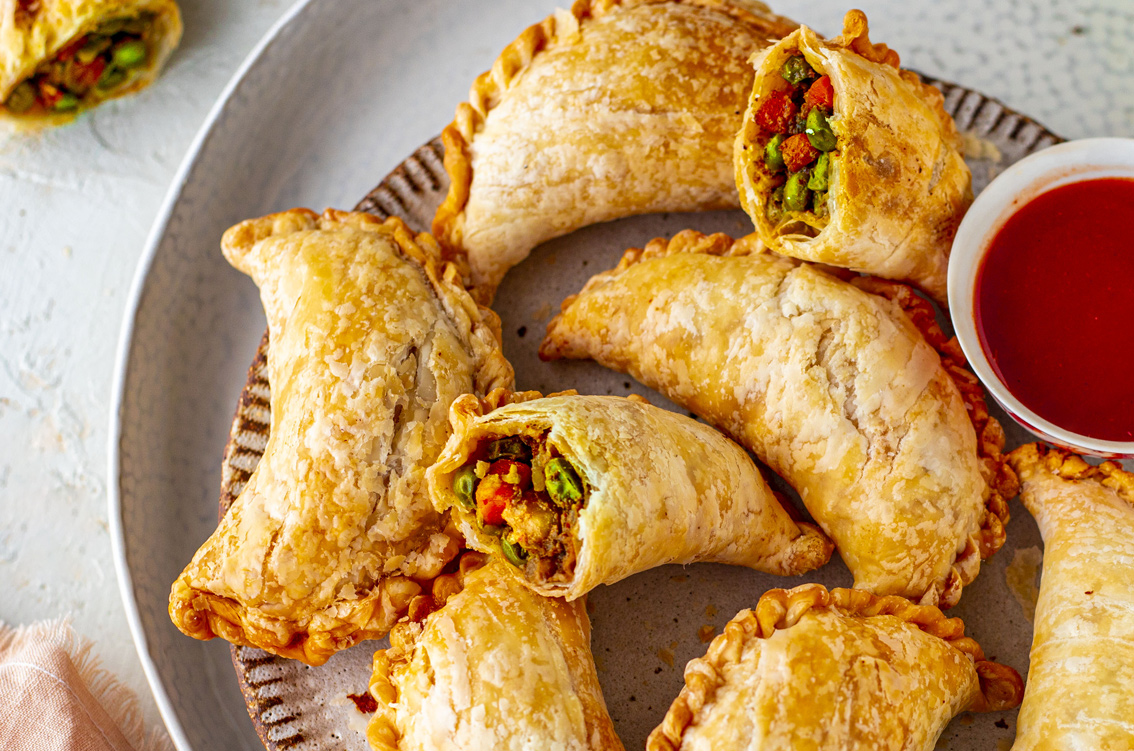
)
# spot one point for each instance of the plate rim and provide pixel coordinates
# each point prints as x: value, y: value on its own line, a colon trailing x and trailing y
x: 122, y: 365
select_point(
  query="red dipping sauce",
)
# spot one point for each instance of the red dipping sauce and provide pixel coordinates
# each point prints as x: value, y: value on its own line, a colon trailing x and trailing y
x: 1055, y: 307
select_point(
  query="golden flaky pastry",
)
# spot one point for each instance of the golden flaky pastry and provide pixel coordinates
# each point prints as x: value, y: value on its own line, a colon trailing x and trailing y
x: 834, y: 388
x: 812, y: 670
x: 51, y: 49
x: 897, y: 181
x: 647, y: 487
x: 1081, y: 680
x: 614, y: 108
x: 498, y: 667
x: 372, y: 340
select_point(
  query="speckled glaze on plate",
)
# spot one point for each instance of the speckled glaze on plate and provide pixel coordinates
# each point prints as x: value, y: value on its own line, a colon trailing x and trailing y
x: 195, y: 323
x: 296, y: 707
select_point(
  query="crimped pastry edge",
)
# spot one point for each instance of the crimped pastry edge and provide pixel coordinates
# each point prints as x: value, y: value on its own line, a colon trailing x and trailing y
x: 381, y: 731
x: 469, y: 407
x: 1000, y: 686
x: 856, y: 38
x: 204, y: 615
x: 446, y: 276
x: 1032, y: 459
x: 490, y: 87
x: 1002, y: 482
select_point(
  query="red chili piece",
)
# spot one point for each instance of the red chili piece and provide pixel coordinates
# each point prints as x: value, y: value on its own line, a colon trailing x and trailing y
x: 821, y: 94
x: 86, y: 76
x: 798, y: 152
x: 492, y: 497
x: 777, y: 113
x: 503, y: 467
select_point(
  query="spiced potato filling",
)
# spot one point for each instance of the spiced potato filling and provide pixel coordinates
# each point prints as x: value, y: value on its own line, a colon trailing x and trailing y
x: 798, y: 144
x: 92, y: 67
x: 524, y: 492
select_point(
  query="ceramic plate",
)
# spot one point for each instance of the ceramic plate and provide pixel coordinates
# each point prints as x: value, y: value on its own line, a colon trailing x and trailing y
x: 195, y: 324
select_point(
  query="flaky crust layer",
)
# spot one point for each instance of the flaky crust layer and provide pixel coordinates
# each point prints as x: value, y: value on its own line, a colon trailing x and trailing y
x: 899, y: 185
x: 614, y: 108
x: 497, y: 667
x: 662, y: 488
x: 32, y: 32
x: 836, y: 389
x: 1082, y: 660
x: 812, y: 669
x: 333, y: 536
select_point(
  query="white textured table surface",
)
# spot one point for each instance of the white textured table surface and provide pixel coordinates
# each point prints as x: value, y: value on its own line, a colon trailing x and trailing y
x: 76, y: 205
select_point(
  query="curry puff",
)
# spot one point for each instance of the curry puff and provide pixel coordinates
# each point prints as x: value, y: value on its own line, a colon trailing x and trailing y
x: 60, y: 57
x: 372, y: 338
x: 886, y: 438
x: 1082, y: 661
x: 614, y: 108
x: 812, y: 670
x: 497, y: 667
x: 846, y: 159
x: 577, y: 491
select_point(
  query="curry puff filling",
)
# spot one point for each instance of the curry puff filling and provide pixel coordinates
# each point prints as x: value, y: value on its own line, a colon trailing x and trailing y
x: 92, y: 67
x: 524, y: 492
x: 798, y: 143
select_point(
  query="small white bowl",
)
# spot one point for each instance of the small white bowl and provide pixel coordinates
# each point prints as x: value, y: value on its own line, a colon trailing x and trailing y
x: 1051, y: 168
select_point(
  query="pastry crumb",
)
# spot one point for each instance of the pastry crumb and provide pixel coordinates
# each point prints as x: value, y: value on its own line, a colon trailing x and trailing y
x: 706, y: 633
x: 710, y: 612
x: 364, y: 702
x: 666, y: 656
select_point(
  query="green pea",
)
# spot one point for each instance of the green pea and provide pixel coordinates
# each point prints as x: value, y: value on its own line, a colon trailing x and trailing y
x: 22, y: 98
x: 796, y: 70
x: 66, y: 103
x: 513, y: 551
x: 111, y: 78
x: 773, y: 157
x: 562, y: 482
x: 464, y: 486
x: 774, y: 208
x: 818, y: 179
x: 512, y: 447
x: 819, y: 131
x: 796, y: 193
x: 130, y: 54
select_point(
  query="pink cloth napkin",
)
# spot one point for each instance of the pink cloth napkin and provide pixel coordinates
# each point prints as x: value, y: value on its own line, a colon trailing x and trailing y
x: 54, y: 696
